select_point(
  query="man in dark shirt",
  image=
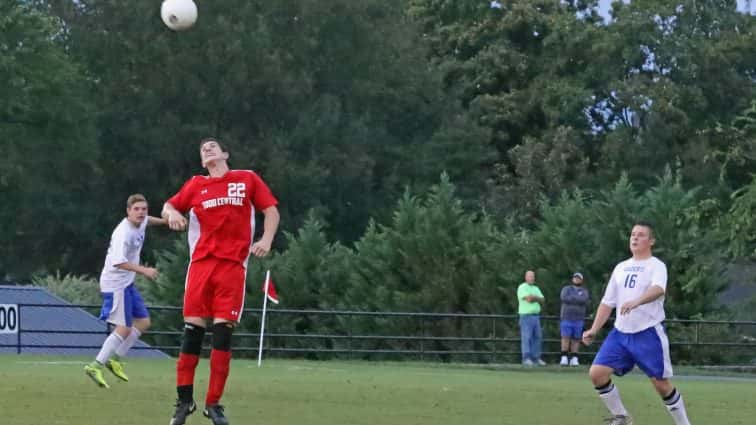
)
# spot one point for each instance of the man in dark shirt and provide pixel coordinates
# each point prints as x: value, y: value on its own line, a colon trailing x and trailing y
x: 574, y: 303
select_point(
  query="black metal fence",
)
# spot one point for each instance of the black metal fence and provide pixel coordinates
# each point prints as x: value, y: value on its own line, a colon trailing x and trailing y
x: 476, y: 338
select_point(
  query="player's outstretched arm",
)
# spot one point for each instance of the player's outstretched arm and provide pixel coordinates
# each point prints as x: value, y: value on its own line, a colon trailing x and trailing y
x: 176, y: 220
x: 156, y: 221
x: 148, y: 272
x: 261, y: 248
x: 602, y: 315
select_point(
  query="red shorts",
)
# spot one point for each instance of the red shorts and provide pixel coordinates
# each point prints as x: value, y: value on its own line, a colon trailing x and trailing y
x: 215, y: 288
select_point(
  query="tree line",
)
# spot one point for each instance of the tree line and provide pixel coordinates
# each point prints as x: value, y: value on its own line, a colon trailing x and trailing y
x: 551, y: 129
x: 434, y: 255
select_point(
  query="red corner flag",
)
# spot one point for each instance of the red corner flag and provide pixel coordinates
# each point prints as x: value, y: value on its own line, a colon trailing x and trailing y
x: 271, y: 292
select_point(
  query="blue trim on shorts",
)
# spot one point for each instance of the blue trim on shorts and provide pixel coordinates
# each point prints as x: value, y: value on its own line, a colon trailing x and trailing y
x: 107, y: 305
x: 138, y: 308
x: 623, y: 351
x: 134, y: 307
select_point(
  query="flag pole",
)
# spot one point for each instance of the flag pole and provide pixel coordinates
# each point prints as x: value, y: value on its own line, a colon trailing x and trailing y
x: 262, y: 321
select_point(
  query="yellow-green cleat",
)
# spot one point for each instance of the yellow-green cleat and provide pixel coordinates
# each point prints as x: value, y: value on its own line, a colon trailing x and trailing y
x: 94, y: 371
x: 115, y: 366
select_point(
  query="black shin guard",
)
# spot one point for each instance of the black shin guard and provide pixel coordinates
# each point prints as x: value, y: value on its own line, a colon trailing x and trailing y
x: 222, y: 336
x: 193, y: 336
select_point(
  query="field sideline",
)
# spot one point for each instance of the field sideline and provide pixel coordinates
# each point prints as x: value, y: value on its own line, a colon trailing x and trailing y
x: 37, y: 390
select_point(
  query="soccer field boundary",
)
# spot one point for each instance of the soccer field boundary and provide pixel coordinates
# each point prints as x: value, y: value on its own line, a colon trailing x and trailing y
x: 686, y: 372
x: 746, y: 373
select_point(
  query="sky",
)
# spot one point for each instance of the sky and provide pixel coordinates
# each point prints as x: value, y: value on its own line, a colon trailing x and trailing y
x: 605, y: 6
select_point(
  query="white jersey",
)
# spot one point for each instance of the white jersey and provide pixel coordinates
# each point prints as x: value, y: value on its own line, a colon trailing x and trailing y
x: 125, y: 246
x: 630, y: 279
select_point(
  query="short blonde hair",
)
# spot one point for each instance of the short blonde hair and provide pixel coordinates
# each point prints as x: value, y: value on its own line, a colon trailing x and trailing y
x: 133, y: 199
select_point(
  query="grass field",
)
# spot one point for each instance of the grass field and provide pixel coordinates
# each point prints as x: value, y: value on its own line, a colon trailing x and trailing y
x: 37, y: 390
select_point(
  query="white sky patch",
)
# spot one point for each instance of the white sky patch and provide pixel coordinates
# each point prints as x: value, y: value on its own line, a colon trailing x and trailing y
x: 605, y: 7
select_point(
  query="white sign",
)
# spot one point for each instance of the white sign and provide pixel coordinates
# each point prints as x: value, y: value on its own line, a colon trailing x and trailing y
x: 8, y: 319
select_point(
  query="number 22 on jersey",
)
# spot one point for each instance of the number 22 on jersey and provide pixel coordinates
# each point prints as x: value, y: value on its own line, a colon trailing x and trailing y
x: 236, y: 190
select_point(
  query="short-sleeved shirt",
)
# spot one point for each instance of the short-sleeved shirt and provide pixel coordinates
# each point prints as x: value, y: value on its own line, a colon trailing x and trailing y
x: 630, y: 279
x: 222, y: 213
x: 125, y: 247
x: 526, y: 307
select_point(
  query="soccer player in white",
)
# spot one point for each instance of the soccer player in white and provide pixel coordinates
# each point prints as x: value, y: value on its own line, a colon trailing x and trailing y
x: 636, y: 288
x: 122, y: 305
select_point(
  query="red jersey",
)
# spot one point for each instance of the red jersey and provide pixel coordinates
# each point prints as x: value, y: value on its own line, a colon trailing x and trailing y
x: 222, y: 213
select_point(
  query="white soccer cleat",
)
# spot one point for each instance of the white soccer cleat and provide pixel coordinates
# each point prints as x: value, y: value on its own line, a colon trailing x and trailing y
x: 574, y: 362
x: 540, y: 362
x: 564, y: 361
x: 527, y: 362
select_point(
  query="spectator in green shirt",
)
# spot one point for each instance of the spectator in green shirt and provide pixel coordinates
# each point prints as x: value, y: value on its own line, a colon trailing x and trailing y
x: 530, y: 299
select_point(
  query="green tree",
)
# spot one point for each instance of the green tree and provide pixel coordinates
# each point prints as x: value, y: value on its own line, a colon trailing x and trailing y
x: 554, y: 85
x: 71, y: 288
x: 48, y: 175
x: 739, y: 225
x: 733, y: 150
x: 431, y: 257
x: 590, y: 233
x: 330, y: 101
x: 312, y: 273
x: 524, y: 73
x: 662, y: 101
x: 168, y: 288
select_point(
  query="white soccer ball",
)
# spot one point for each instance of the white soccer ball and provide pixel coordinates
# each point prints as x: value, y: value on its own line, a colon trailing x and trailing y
x: 178, y: 15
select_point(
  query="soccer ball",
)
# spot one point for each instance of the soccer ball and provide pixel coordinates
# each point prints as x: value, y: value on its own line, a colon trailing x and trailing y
x: 178, y: 15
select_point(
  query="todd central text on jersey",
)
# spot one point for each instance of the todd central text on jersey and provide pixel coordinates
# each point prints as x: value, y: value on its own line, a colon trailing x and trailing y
x: 212, y: 203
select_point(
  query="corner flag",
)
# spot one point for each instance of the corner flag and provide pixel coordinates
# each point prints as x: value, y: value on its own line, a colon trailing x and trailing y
x: 269, y: 289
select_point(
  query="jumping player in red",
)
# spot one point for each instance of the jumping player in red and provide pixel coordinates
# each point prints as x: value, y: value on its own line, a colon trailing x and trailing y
x: 221, y: 208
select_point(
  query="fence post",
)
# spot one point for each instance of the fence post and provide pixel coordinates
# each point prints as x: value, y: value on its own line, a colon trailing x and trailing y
x: 493, y: 337
x: 422, y: 338
x: 351, y: 320
x: 18, y: 325
x: 698, y: 326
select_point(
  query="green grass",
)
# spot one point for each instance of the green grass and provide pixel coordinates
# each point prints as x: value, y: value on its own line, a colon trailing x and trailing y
x: 37, y: 390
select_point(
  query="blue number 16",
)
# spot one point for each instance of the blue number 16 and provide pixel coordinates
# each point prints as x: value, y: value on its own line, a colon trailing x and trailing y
x: 630, y: 280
